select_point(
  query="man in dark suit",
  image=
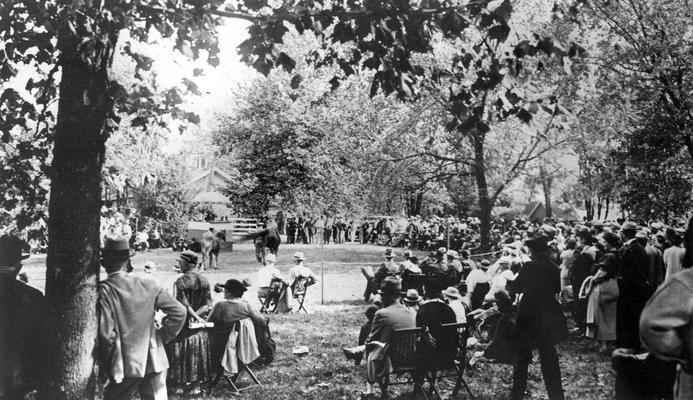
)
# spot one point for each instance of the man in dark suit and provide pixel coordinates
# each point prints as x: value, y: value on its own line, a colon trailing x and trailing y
x: 394, y: 315
x: 540, y: 321
x: 131, y: 348
x: 20, y: 324
x: 634, y: 287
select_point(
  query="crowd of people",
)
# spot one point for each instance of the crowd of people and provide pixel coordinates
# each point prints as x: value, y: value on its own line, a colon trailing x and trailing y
x: 624, y: 284
x: 414, y: 232
x: 599, y: 274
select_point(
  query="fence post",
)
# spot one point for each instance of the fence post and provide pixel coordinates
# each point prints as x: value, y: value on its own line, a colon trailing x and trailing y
x: 322, y: 272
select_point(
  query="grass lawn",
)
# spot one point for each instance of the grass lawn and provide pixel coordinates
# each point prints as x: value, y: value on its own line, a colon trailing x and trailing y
x: 325, y: 373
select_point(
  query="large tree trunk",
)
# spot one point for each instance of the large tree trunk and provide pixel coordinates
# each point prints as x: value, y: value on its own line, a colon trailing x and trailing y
x: 73, y: 226
x: 485, y: 203
x: 546, y: 184
x: 589, y: 208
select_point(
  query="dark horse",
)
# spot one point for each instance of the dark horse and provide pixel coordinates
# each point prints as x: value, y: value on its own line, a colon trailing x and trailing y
x: 211, y: 244
x: 266, y: 239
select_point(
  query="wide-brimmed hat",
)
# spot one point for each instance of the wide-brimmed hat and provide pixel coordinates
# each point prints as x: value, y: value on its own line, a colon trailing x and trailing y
x: 116, y: 249
x: 389, y: 253
x: 271, y: 258
x: 485, y: 264
x: 629, y: 226
x: 452, y: 292
x: 391, y: 286
x: 299, y: 256
x: 452, y: 254
x: 408, y: 253
x: 11, y: 251
x: 539, y: 240
x: 412, y: 296
x: 234, y: 285
x: 188, y: 256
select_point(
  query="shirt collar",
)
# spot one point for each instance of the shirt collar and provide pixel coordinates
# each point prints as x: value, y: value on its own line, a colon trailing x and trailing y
x: 121, y: 272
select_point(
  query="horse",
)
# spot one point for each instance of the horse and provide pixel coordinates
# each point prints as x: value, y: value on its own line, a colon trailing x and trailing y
x: 266, y: 239
x: 211, y: 245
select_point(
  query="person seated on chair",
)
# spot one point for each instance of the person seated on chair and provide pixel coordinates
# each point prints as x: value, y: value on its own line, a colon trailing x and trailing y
x: 225, y: 314
x: 300, y: 270
x: 388, y: 268
x: 438, y: 353
x: 363, y: 335
x: 412, y: 300
x: 265, y: 276
x: 453, y: 298
x: 394, y: 315
x: 501, y: 348
x: 478, y: 284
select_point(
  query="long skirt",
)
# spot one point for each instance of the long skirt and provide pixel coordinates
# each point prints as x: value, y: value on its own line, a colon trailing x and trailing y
x: 189, y: 358
x: 601, y: 320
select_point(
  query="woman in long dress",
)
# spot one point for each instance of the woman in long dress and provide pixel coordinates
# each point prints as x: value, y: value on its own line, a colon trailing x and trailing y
x: 189, y: 355
x: 601, y: 306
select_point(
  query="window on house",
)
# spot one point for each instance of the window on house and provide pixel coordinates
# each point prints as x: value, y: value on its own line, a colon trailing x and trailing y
x: 201, y: 163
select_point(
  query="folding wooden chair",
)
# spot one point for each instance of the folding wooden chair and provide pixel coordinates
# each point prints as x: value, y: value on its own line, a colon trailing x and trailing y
x: 459, y: 363
x: 299, y: 289
x: 242, y: 367
x: 402, y: 352
x: 269, y: 303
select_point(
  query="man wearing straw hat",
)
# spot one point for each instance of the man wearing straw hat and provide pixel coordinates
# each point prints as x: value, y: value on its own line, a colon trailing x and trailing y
x: 20, y: 327
x: 131, y: 348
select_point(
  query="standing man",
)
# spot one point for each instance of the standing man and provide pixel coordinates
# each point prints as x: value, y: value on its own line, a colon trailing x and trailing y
x: 634, y: 288
x: 20, y: 325
x: 540, y: 321
x: 131, y: 348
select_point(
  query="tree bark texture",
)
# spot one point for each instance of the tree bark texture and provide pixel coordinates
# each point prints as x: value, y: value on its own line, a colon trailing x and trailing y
x: 73, y: 228
x: 485, y: 203
x: 589, y: 208
x: 546, y: 184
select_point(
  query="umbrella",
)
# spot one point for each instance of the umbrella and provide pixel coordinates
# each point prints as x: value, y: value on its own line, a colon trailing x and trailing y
x: 210, y: 197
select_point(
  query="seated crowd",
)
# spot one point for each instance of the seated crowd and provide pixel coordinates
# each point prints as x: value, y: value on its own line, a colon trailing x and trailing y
x: 603, y: 274
x: 626, y: 286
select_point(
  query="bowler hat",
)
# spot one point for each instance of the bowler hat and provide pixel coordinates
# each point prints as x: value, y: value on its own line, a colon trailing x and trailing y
x: 391, y: 286
x: 116, y: 249
x: 485, y: 264
x: 389, y: 253
x: 188, y: 256
x: 299, y: 256
x: 11, y: 250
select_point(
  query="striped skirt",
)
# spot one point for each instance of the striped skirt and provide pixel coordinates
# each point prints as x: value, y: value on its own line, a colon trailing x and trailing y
x: 189, y: 358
